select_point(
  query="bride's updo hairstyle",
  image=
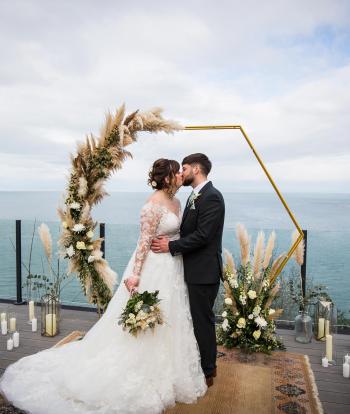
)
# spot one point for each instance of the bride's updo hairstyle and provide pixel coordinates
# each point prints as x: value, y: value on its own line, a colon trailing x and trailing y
x: 161, y: 169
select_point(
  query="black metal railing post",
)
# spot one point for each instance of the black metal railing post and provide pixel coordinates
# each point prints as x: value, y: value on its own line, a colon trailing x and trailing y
x: 303, y: 266
x: 102, y: 235
x: 19, y: 300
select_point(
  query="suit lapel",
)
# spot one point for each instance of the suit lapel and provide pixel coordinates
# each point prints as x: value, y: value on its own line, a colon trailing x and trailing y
x: 201, y: 192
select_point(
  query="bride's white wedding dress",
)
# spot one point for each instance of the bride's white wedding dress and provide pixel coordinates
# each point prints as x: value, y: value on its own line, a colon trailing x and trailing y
x: 109, y: 371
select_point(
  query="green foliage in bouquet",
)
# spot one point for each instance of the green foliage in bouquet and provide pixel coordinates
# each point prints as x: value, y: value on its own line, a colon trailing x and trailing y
x: 248, y: 320
x: 141, y: 312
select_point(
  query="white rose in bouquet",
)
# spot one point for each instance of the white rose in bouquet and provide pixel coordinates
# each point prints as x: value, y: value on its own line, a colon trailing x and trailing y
x: 241, y: 323
x: 225, y: 325
x: 228, y: 301
x: 260, y: 321
x: 256, y: 310
x: 256, y: 334
x: 252, y: 294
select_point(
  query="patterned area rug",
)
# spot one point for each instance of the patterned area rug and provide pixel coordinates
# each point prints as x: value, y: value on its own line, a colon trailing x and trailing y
x: 282, y: 383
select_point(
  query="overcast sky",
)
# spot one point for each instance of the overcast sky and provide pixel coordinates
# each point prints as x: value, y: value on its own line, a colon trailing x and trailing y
x: 281, y: 69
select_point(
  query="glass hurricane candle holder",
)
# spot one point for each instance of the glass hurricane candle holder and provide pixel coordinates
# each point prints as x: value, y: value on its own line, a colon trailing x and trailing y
x: 50, y: 310
x: 11, y: 322
x: 325, y: 320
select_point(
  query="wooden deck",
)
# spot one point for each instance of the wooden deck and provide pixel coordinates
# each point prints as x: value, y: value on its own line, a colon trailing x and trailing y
x: 334, y: 390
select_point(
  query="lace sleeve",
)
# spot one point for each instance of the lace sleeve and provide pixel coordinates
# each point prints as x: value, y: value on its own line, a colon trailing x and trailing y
x: 150, y: 217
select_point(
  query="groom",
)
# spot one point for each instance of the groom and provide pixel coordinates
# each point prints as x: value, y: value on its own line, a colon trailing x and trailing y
x: 201, y: 245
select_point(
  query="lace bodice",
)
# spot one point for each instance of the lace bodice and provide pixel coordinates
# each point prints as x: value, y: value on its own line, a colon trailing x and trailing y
x: 155, y: 220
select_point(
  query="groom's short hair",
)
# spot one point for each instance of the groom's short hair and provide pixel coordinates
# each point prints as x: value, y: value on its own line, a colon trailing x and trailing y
x: 200, y: 159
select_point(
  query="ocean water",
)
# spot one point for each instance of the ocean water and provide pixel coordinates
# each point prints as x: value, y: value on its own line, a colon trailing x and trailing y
x: 325, y: 216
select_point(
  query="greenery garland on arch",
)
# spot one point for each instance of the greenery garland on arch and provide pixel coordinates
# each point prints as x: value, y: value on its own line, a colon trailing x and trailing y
x: 96, y: 159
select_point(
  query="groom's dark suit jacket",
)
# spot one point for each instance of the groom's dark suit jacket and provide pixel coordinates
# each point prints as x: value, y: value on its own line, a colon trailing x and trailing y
x: 201, y: 237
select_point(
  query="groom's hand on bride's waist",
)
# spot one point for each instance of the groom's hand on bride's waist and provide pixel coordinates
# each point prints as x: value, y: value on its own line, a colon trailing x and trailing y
x: 160, y: 245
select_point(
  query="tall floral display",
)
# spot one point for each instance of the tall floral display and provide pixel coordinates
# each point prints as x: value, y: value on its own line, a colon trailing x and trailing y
x: 94, y: 163
x: 248, y: 319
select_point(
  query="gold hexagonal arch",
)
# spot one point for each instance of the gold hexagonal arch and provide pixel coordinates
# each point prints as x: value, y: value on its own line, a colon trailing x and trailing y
x: 301, y: 234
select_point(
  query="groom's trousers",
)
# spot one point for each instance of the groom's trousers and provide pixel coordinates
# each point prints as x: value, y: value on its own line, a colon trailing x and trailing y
x: 202, y: 298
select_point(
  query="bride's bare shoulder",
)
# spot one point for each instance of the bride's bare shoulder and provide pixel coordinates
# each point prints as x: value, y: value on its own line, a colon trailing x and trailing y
x: 177, y: 201
x: 155, y: 201
x: 156, y: 197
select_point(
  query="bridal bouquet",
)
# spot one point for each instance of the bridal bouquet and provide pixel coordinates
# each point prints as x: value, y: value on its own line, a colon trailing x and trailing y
x: 248, y: 319
x: 141, y: 312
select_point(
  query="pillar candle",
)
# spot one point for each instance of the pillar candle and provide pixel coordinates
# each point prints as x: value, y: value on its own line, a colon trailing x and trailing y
x: 34, y: 324
x: 4, y: 327
x: 10, y: 344
x: 326, y: 327
x: 346, y: 370
x: 320, y: 328
x: 16, y: 339
x: 51, y: 326
x: 31, y: 309
x: 325, y: 362
x: 12, y: 324
x: 329, y: 347
x: 3, y: 316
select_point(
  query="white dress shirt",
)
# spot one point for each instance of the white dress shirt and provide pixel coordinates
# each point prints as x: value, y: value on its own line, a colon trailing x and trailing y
x: 200, y: 186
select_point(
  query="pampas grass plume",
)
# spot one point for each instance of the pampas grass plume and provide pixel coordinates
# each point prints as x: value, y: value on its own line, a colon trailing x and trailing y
x: 45, y: 237
x: 244, y: 242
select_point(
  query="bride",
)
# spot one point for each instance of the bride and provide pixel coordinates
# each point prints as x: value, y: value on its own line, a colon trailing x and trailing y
x: 110, y: 371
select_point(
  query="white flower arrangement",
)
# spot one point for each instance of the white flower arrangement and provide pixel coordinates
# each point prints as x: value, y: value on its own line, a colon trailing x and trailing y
x: 248, y: 320
x: 90, y: 234
x: 142, y: 312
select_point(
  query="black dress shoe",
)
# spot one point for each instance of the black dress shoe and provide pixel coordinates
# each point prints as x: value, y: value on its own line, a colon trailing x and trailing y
x: 210, y: 381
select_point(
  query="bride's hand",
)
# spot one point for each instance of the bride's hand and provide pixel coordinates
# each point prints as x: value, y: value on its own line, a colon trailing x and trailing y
x: 131, y: 283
